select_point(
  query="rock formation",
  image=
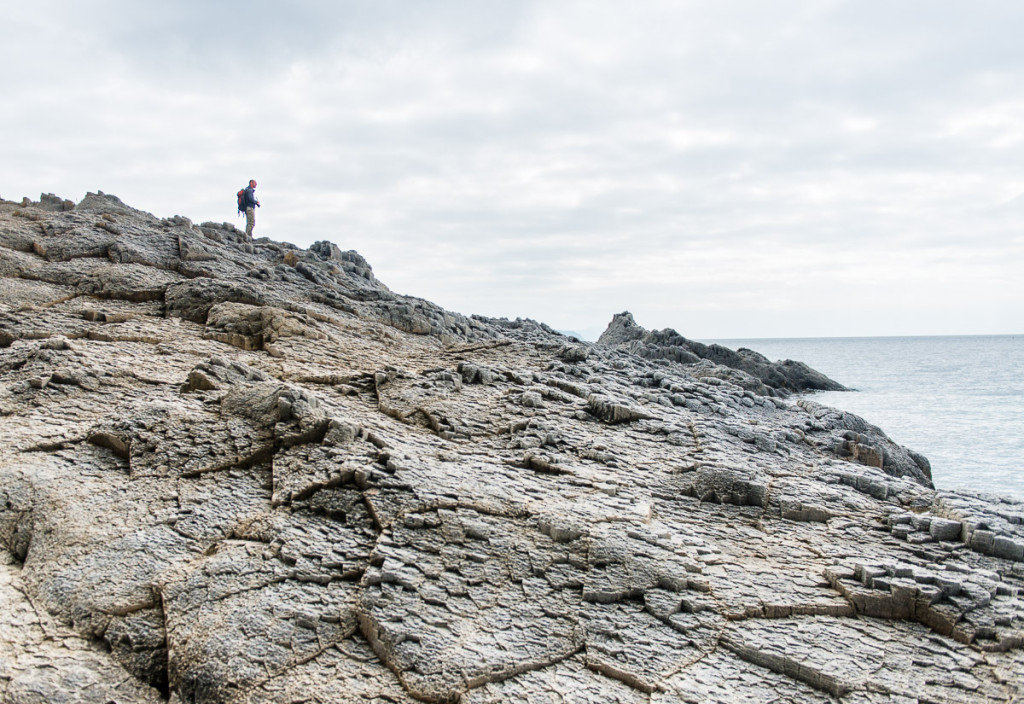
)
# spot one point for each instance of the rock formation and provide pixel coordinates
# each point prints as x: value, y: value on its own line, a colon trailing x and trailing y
x: 250, y: 473
x: 743, y: 367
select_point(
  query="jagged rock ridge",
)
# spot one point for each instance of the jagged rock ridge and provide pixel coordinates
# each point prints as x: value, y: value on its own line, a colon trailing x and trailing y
x: 246, y: 472
x: 750, y: 369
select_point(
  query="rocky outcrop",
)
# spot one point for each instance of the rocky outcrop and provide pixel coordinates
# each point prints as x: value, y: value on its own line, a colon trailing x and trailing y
x: 245, y: 472
x: 744, y: 367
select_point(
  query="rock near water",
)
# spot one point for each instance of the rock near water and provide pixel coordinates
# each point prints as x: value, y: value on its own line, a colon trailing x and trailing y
x: 245, y: 472
x: 743, y: 367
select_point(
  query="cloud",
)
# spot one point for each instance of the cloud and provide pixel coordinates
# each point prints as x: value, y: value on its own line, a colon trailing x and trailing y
x: 697, y: 164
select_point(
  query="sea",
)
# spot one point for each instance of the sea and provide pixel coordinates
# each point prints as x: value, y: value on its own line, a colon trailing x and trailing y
x: 957, y: 400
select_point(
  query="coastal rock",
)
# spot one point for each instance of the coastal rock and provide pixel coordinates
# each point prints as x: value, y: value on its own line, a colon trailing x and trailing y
x: 245, y: 472
x: 756, y: 372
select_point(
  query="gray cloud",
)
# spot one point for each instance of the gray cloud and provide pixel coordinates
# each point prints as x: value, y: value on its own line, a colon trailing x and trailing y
x: 732, y: 170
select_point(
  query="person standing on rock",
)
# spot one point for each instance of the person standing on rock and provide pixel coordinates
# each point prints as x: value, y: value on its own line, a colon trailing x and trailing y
x: 251, y: 203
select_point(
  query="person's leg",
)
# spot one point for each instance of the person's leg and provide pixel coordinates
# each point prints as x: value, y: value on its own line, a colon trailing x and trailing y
x: 250, y: 221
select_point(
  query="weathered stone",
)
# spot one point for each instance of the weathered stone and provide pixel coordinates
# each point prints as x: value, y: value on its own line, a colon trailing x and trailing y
x: 250, y: 473
x: 786, y: 376
x: 944, y: 529
x: 610, y: 411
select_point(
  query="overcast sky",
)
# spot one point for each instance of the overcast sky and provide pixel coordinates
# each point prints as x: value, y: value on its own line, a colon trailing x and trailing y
x: 728, y: 169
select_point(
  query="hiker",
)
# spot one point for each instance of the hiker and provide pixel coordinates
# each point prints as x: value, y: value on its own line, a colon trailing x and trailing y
x: 250, y: 203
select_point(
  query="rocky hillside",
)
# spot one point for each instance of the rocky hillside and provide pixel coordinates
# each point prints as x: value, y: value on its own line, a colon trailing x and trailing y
x: 250, y: 473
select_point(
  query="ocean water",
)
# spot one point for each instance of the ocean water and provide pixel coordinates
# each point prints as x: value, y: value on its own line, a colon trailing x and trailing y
x: 959, y: 401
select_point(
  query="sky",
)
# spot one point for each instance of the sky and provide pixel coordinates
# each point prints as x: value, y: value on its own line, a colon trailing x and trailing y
x: 729, y: 169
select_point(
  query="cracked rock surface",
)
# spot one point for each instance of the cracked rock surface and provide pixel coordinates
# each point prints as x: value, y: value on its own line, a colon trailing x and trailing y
x: 242, y: 472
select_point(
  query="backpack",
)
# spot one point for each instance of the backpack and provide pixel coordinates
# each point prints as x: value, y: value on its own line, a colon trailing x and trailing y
x: 241, y: 201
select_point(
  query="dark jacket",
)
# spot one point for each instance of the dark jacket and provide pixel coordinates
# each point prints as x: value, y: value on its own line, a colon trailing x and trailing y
x: 249, y: 199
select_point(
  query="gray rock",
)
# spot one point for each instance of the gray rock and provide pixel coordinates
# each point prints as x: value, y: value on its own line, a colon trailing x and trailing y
x: 785, y: 376
x: 944, y: 529
x: 250, y: 473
